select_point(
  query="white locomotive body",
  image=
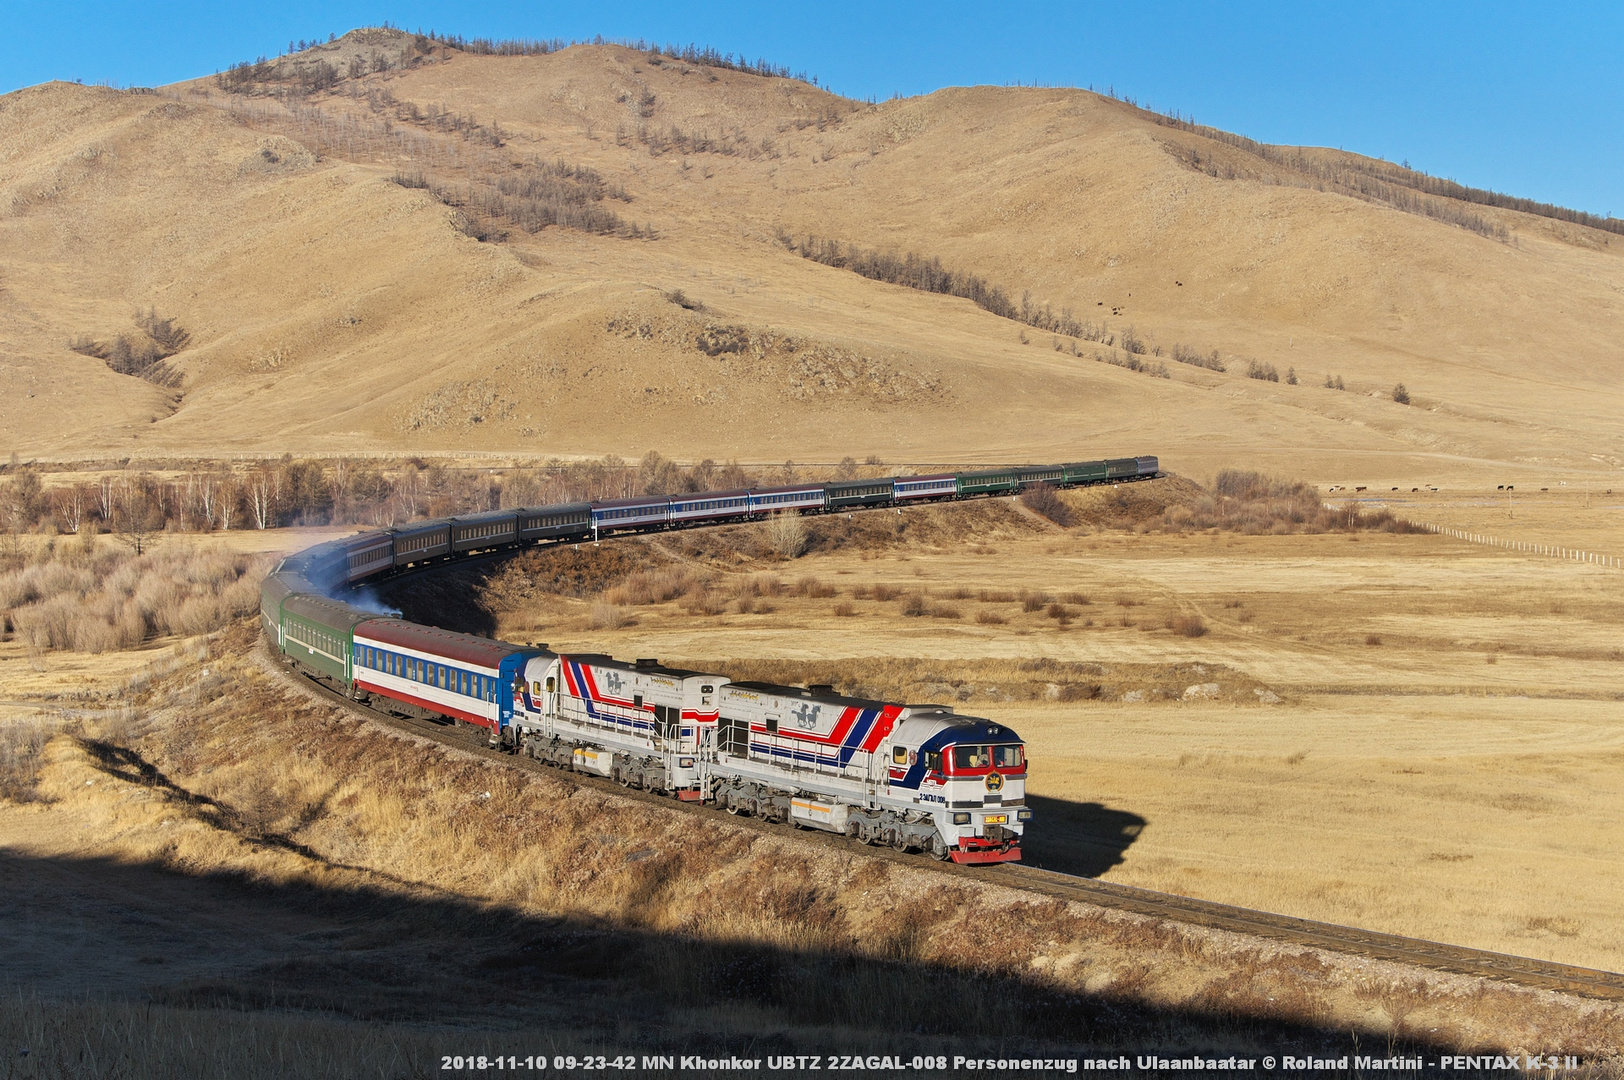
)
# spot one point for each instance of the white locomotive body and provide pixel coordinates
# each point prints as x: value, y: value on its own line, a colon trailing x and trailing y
x: 915, y: 777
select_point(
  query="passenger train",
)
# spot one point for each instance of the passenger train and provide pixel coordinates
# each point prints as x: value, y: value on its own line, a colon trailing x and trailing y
x: 914, y: 777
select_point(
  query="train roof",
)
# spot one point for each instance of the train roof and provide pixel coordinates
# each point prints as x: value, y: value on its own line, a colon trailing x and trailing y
x: 558, y: 508
x: 784, y: 489
x: 422, y: 527
x: 638, y: 500
x: 331, y: 613
x: 645, y: 667
x: 820, y: 694
x: 464, y: 648
x: 690, y: 496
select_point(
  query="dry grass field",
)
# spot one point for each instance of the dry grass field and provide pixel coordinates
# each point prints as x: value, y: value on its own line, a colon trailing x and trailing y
x: 1403, y: 732
x: 328, y: 308
x: 1260, y: 701
x: 1207, y: 713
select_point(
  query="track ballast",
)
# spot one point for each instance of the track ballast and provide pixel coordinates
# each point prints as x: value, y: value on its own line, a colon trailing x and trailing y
x: 1371, y: 944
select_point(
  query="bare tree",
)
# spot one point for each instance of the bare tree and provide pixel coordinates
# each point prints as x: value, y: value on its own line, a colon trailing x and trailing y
x: 262, y: 490
x: 226, y: 501
x: 785, y: 533
x: 71, y: 503
x: 106, y: 496
x: 137, y: 520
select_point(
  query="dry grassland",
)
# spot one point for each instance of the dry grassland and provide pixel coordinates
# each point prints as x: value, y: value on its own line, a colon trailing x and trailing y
x: 322, y: 298
x: 267, y: 873
x: 1404, y: 732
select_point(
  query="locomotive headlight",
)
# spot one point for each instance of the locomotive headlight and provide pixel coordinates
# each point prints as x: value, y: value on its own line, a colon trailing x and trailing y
x: 961, y: 819
x: 686, y: 763
x: 1023, y: 815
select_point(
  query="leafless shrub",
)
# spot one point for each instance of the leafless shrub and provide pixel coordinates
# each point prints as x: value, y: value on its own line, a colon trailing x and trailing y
x: 958, y: 592
x: 1373, y: 639
x: 1033, y: 601
x: 914, y: 605
x: 1079, y: 598
x: 704, y: 600
x: 610, y: 617
x: 22, y: 745
x: 105, y: 599
x: 1186, y: 354
x: 1187, y: 625
x: 815, y: 589
x: 652, y: 587
x: 1401, y: 395
x: 1046, y: 502
x: 990, y: 618
x: 996, y: 596
x: 1258, y: 370
x: 882, y: 591
x: 1058, y: 611
x: 785, y: 533
x: 845, y: 609
x: 944, y: 611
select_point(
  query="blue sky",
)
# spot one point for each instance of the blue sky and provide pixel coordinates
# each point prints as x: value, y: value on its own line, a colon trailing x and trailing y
x: 1523, y: 98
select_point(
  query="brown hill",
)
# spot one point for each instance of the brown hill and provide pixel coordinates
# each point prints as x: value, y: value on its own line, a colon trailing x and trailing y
x: 312, y: 230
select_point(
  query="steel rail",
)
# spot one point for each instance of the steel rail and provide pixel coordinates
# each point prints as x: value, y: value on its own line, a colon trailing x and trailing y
x: 1288, y: 929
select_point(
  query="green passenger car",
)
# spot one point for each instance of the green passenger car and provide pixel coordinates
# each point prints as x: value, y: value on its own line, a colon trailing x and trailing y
x: 990, y: 482
x: 319, y: 633
x: 1084, y: 472
x: 1121, y: 468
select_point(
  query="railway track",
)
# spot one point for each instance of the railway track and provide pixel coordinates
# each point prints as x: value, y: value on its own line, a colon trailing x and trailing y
x: 1371, y: 944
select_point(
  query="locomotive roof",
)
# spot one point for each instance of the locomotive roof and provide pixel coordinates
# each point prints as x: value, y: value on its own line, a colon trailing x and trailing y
x: 601, y: 660
x: 825, y: 697
x: 465, y: 648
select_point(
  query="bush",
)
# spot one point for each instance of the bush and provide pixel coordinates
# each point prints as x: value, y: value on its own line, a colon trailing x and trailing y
x: 990, y: 618
x: 815, y: 589
x: 610, y: 617
x: 1401, y: 395
x: 845, y: 609
x: 785, y: 533
x: 100, y: 600
x: 1046, y: 502
x: 1187, y: 625
x: 1266, y: 372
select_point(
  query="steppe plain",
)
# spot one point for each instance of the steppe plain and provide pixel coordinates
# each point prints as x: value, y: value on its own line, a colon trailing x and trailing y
x: 1399, y: 731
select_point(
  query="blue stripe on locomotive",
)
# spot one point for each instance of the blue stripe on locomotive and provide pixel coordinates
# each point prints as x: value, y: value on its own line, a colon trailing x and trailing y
x: 636, y: 724
x: 980, y: 732
x: 842, y: 755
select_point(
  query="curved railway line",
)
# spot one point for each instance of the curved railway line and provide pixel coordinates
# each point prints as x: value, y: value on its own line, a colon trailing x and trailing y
x: 1371, y: 944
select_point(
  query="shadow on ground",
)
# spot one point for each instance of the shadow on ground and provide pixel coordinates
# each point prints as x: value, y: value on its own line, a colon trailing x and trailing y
x: 1085, y: 839
x: 134, y: 931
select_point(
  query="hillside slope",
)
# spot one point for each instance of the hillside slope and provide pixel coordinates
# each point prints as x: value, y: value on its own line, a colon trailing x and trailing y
x: 332, y: 309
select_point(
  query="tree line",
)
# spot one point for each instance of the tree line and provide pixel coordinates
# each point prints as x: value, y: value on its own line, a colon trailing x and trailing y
x: 139, y: 505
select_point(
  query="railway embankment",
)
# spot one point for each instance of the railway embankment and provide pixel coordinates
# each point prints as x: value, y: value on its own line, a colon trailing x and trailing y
x: 378, y: 873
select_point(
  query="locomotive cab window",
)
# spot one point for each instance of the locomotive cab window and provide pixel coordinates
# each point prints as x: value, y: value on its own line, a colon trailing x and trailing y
x: 933, y: 761
x: 899, y: 755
